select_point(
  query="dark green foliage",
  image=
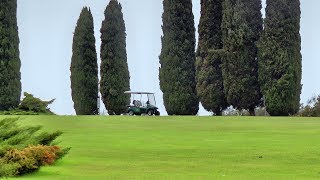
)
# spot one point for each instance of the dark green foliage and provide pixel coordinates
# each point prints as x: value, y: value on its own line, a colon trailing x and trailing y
x: 84, y: 67
x: 210, y: 33
x: 33, y: 104
x: 177, y: 59
x: 242, y: 26
x: 10, y: 85
x: 209, y: 74
x: 280, y: 57
x: 115, y: 78
x: 312, y: 109
x: 12, y: 135
x: 24, y: 149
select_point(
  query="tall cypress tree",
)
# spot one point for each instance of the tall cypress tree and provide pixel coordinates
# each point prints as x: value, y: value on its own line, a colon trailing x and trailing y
x: 84, y: 67
x: 115, y: 78
x: 242, y: 27
x: 177, y: 59
x: 280, y: 57
x: 209, y: 74
x: 10, y: 76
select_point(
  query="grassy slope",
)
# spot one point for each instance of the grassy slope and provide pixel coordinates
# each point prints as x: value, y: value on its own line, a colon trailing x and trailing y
x: 184, y: 147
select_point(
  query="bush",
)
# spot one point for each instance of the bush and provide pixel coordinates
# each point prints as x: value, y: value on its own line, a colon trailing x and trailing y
x: 312, y: 109
x: 12, y: 135
x: 18, y: 162
x: 24, y: 149
x: 7, y: 170
x: 31, y: 103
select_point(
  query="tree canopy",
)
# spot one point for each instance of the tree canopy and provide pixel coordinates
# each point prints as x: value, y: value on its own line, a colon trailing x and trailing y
x: 209, y: 53
x: 280, y: 57
x: 115, y: 78
x: 84, y: 67
x: 177, y: 58
x: 10, y: 76
x: 242, y: 26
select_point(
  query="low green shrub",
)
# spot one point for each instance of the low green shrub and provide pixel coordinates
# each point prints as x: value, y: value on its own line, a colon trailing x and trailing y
x: 312, y: 109
x: 7, y: 170
x: 31, y: 105
x: 26, y: 149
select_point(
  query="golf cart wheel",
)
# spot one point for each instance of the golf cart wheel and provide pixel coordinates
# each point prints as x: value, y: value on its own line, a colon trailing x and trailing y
x: 150, y: 112
x: 157, y: 113
x: 130, y: 113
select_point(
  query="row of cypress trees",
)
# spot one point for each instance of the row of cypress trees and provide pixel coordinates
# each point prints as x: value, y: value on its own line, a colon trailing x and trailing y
x: 84, y: 68
x: 239, y: 61
x: 229, y: 70
x: 113, y: 69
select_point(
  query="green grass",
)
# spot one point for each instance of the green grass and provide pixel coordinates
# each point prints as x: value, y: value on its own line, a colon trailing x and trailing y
x: 184, y: 147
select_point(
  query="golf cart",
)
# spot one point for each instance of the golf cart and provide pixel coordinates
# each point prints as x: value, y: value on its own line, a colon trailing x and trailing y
x: 142, y: 103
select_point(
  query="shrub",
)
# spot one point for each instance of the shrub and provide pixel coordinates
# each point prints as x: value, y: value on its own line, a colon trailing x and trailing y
x: 24, y: 149
x: 312, y: 109
x: 31, y: 103
x: 13, y: 135
x: 7, y: 170
x: 18, y: 162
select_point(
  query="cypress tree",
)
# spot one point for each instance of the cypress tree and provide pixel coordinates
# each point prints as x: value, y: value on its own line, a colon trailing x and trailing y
x: 177, y: 58
x: 115, y: 79
x: 10, y: 76
x: 84, y: 67
x: 242, y: 27
x: 209, y: 74
x: 280, y: 57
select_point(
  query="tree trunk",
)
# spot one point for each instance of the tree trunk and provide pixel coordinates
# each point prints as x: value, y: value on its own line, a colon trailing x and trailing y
x: 252, y: 112
x: 218, y: 112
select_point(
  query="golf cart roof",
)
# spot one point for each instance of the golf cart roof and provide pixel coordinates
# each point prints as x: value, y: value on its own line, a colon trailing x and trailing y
x: 131, y: 92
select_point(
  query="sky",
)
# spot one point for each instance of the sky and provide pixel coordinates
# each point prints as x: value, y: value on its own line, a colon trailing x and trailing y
x: 46, y: 30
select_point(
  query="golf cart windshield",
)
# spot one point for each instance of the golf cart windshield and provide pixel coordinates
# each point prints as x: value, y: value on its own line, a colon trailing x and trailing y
x: 151, y: 99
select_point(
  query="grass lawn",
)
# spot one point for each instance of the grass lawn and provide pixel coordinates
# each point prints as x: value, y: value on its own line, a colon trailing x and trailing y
x: 184, y: 147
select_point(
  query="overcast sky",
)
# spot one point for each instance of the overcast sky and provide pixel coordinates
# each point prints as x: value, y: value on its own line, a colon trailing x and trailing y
x: 46, y: 30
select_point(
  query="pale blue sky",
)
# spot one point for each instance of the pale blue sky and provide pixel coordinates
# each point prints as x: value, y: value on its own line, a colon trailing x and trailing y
x: 46, y: 29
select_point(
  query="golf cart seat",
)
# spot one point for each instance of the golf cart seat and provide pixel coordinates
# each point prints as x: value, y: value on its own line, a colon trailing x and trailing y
x: 137, y: 103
